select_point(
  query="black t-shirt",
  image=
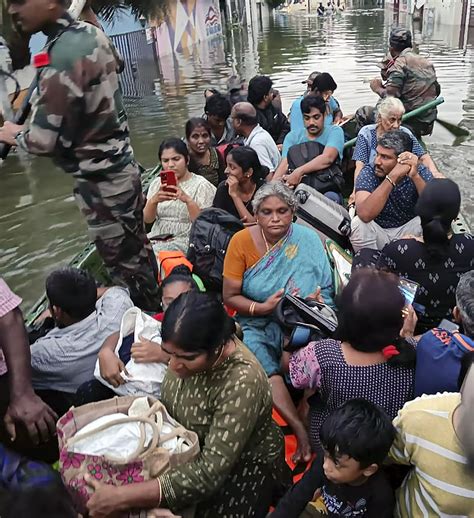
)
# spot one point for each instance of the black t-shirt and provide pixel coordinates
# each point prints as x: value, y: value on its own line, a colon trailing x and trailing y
x: 222, y: 200
x: 373, y: 499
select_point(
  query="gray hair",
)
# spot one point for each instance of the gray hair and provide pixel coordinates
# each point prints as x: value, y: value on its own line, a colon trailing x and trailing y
x: 387, y: 106
x: 465, y: 301
x: 397, y: 140
x: 278, y: 189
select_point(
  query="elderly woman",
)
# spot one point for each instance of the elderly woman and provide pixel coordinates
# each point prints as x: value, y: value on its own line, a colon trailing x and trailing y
x: 215, y: 387
x: 263, y: 262
x: 389, y: 114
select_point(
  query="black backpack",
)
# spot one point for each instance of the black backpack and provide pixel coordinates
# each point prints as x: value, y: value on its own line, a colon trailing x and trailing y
x: 330, y: 179
x: 208, y: 241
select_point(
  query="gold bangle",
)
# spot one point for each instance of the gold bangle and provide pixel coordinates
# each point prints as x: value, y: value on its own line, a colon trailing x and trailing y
x: 159, y: 492
x: 252, y: 308
x: 390, y: 181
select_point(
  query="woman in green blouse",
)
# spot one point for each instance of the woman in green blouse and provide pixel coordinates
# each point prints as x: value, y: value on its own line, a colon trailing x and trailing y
x: 215, y: 387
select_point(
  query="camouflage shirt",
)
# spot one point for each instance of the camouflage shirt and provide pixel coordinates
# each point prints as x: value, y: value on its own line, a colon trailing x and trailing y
x: 78, y: 116
x: 415, y: 77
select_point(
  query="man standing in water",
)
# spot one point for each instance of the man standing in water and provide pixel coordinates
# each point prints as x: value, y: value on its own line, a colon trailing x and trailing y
x: 411, y: 78
x: 79, y: 120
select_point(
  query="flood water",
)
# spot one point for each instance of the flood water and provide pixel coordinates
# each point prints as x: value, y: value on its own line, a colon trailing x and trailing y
x: 40, y: 226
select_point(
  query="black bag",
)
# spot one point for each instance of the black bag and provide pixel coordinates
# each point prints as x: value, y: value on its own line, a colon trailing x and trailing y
x: 304, y: 321
x: 208, y: 241
x: 330, y: 179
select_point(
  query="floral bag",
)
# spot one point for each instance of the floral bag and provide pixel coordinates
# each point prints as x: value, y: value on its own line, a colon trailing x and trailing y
x: 149, y: 460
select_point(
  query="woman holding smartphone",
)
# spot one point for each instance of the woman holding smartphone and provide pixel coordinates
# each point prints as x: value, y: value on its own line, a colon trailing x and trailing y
x: 176, y: 198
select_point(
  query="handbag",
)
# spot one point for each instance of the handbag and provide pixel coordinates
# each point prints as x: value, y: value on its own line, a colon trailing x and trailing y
x: 304, y: 321
x: 145, y: 378
x: 325, y: 180
x: 149, y: 460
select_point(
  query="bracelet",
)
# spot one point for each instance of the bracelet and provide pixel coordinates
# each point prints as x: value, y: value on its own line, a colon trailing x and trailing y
x: 159, y: 492
x: 389, y: 180
x: 252, y: 309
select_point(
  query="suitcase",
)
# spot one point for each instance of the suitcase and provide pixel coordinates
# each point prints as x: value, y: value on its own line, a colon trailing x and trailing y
x: 328, y: 218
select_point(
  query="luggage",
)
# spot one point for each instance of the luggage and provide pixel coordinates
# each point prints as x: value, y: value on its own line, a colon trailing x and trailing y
x: 329, y: 179
x: 328, y: 218
x: 208, y: 241
x: 167, y: 260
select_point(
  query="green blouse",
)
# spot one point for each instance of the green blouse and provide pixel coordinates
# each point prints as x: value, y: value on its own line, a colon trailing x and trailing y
x: 230, y: 409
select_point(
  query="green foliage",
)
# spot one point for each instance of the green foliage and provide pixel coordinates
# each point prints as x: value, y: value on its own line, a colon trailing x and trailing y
x: 275, y: 3
x: 108, y: 9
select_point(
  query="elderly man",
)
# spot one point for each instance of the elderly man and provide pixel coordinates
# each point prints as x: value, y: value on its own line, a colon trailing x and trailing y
x: 386, y: 194
x: 244, y: 121
x: 410, y: 77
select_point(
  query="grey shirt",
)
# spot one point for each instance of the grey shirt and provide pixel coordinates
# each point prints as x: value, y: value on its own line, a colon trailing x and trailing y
x: 65, y: 358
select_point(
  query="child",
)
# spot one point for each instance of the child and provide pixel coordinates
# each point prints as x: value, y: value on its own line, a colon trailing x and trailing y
x: 347, y: 482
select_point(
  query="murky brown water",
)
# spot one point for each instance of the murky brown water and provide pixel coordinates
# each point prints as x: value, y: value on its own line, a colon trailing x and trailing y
x: 40, y: 226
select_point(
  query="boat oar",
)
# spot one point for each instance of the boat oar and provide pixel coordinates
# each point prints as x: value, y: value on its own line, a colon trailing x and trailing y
x: 407, y: 116
x: 22, y: 114
x: 456, y: 130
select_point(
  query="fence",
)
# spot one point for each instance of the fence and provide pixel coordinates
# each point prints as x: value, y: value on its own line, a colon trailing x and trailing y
x: 137, y: 78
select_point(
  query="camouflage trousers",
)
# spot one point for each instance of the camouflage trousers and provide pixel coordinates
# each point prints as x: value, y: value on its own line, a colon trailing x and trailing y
x: 113, y: 208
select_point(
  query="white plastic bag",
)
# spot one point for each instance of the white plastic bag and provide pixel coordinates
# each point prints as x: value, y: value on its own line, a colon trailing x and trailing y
x: 144, y: 378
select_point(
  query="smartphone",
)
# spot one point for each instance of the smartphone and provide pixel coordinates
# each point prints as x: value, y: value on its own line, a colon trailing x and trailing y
x: 168, y: 178
x: 408, y: 289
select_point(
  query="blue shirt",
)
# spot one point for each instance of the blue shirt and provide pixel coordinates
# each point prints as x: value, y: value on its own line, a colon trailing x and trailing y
x: 400, y: 206
x: 296, y: 115
x: 331, y: 136
x: 438, y: 361
x: 366, y: 145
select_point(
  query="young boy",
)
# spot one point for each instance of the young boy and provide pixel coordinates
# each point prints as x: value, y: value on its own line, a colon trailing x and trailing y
x: 347, y: 482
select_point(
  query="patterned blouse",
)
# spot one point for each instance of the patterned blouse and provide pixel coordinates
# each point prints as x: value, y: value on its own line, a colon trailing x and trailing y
x: 230, y: 408
x: 172, y: 217
x: 212, y: 172
x: 321, y: 366
x: 438, y: 278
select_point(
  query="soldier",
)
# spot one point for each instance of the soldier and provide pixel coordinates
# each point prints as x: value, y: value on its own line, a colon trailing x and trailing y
x: 78, y: 119
x: 410, y: 77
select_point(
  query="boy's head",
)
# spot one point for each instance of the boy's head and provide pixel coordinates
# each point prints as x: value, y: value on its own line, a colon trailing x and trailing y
x: 356, y: 438
x: 72, y: 295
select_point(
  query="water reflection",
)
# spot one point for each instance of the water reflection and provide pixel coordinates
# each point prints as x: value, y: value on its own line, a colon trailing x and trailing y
x: 40, y: 226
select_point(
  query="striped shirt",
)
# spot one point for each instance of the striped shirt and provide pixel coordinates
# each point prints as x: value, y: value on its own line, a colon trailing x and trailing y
x: 8, y: 302
x: 439, y: 484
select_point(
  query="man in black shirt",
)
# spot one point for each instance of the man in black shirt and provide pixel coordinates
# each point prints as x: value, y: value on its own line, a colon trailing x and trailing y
x: 271, y: 118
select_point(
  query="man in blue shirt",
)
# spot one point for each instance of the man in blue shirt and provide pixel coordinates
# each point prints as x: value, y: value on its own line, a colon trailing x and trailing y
x: 319, y: 84
x: 386, y: 194
x: 331, y: 137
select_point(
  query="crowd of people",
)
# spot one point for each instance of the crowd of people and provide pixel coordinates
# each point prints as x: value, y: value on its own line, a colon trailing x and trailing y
x: 382, y: 410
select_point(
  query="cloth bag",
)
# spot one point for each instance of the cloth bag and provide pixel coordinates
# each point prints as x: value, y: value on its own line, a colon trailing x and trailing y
x: 149, y: 460
x: 145, y: 378
x: 330, y: 179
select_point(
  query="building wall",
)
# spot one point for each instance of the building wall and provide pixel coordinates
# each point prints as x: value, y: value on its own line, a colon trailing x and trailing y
x: 187, y: 22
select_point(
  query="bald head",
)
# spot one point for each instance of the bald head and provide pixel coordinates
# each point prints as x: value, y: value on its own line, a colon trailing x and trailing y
x: 246, y: 109
x: 244, y: 118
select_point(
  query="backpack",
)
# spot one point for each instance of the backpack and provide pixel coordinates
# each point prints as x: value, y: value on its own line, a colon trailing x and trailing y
x: 167, y: 260
x: 330, y: 179
x: 208, y: 241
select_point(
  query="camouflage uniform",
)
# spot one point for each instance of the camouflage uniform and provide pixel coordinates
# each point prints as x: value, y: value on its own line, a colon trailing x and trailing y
x: 78, y: 119
x: 415, y: 77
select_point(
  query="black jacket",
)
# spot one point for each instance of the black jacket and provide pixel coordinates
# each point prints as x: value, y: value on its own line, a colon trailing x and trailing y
x: 273, y: 120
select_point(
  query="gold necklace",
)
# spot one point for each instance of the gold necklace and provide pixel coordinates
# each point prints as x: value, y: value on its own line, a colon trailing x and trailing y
x: 267, y: 246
